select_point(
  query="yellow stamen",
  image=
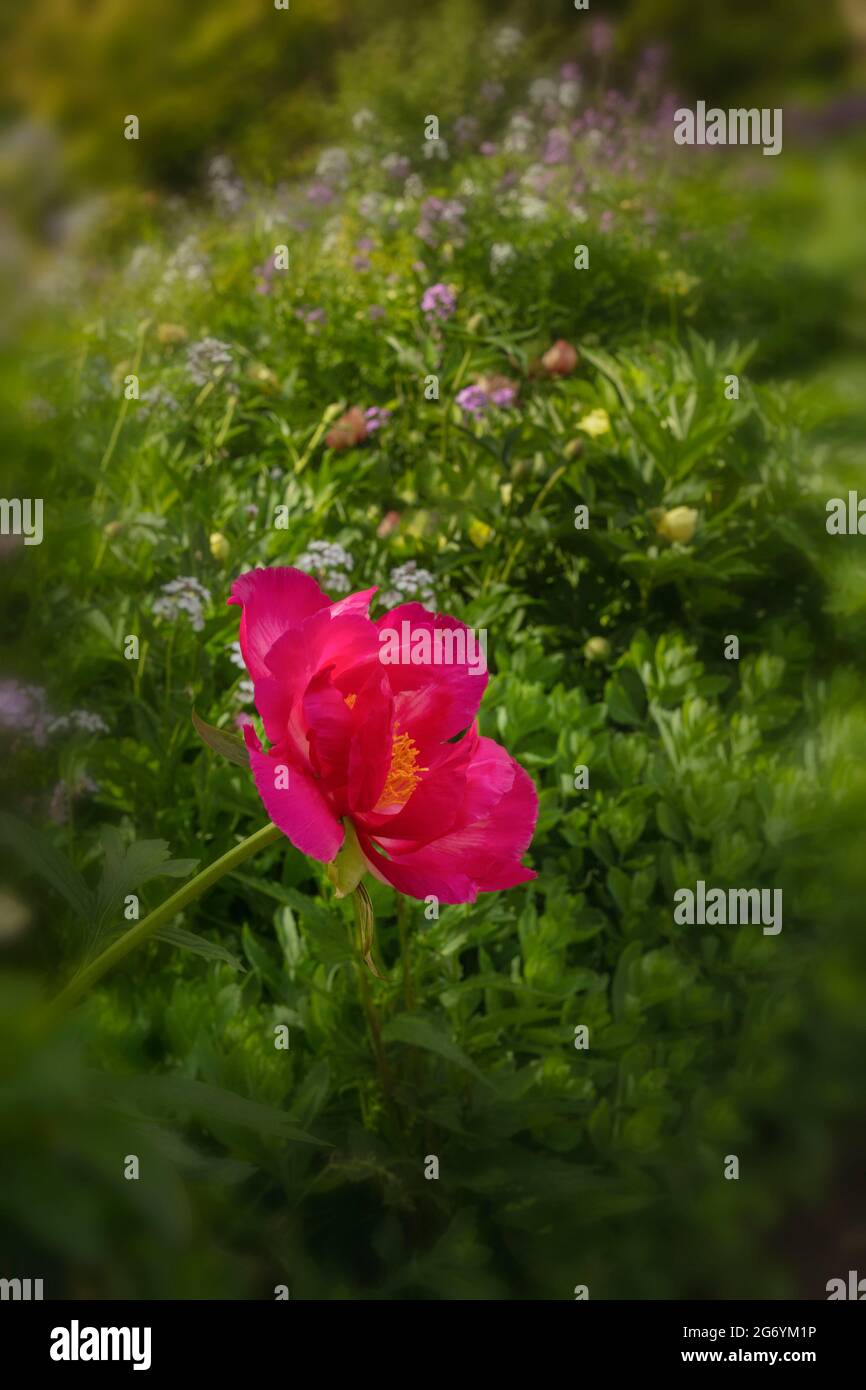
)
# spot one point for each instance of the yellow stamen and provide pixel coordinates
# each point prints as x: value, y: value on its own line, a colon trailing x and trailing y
x: 403, y: 775
x: 350, y: 700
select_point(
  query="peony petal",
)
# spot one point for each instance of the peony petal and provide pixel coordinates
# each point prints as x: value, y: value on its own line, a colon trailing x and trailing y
x: 434, y: 702
x: 372, y: 743
x: 478, y: 857
x: 301, y: 810
x: 272, y: 602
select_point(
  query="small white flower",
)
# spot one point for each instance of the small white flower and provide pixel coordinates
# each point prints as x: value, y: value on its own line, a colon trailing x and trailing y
x: 185, y: 595
x: 532, y: 209
x: 362, y: 119
x: 331, y: 233
x: 371, y: 206
x: 569, y: 94
x: 501, y: 254
x: 507, y: 40
x: 413, y: 188
x: 519, y: 133
x: 245, y: 692
x: 435, y: 149
x: 541, y: 91
x: 333, y: 165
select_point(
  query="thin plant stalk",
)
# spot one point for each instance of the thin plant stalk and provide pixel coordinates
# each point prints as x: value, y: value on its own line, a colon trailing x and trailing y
x: 137, y: 935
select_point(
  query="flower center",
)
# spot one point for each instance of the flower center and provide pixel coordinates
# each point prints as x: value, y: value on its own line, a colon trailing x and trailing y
x: 403, y: 774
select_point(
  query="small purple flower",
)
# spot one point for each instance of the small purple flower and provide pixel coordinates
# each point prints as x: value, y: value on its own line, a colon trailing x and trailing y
x: 570, y: 72
x: 465, y: 129
x: 266, y: 274
x: 23, y: 711
x: 487, y: 148
x: 503, y: 396
x: 601, y: 38
x: 312, y: 317
x: 320, y: 194
x: 472, y: 401
x: 557, y: 148
x: 375, y: 417
x: 360, y: 263
x: 365, y: 243
x: 491, y: 92
x: 375, y: 312
x: 439, y: 302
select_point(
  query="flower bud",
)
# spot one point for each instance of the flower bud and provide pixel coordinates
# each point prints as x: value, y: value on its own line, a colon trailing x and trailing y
x: 595, y: 423
x: 219, y: 546
x: 678, y: 524
x: 559, y: 360
x: 597, y: 649
x: 262, y: 376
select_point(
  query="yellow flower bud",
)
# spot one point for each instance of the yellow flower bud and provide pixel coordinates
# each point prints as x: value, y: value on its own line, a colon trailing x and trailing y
x: 678, y: 524
x: 262, y: 376
x: 480, y: 533
x: 597, y: 649
x: 595, y: 423
x: 219, y: 546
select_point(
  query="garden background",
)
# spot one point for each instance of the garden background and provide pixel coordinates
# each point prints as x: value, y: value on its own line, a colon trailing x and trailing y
x: 154, y: 259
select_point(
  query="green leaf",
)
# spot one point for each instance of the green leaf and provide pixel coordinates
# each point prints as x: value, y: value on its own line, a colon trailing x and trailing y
x: 261, y: 961
x: 127, y: 868
x: 183, y: 1096
x: 38, y: 853
x: 419, y: 1032
x: 221, y: 741
x: 199, y: 945
x: 625, y: 697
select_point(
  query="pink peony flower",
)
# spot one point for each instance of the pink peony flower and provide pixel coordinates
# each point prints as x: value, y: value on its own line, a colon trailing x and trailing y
x: 359, y: 730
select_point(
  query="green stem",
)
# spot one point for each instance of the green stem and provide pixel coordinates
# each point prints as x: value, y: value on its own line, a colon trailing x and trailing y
x: 371, y: 1013
x: 88, y: 976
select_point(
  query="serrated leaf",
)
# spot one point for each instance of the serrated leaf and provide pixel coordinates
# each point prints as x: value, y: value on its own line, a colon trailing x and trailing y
x: 126, y: 868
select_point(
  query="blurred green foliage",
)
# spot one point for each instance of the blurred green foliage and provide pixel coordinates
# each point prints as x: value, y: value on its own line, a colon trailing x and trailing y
x: 558, y: 1166
x: 269, y: 86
